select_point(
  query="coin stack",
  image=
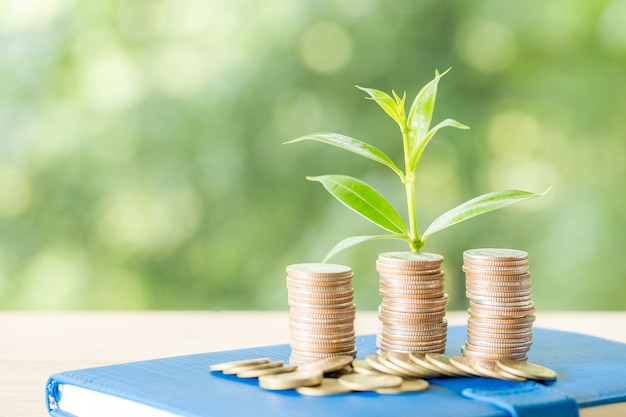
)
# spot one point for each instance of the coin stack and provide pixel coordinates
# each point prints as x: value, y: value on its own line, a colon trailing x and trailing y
x: 501, y: 312
x: 412, y: 312
x: 321, y: 311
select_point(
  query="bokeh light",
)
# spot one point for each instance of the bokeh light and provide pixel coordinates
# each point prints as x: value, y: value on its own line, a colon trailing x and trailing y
x: 142, y: 165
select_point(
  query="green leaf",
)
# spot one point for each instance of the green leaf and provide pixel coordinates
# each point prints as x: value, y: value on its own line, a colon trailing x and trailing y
x: 355, y: 240
x: 416, y: 155
x: 388, y: 104
x: 353, y: 145
x: 363, y: 199
x: 421, y: 112
x: 477, y: 206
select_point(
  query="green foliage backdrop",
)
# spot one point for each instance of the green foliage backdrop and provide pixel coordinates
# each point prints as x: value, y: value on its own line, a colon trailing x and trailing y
x: 141, y: 164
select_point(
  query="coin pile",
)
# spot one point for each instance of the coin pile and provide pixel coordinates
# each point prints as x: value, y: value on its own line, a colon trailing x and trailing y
x: 412, y: 312
x: 383, y: 374
x: 326, y: 376
x: 431, y: 365
x: 321, y: 311
x: 501, y: 312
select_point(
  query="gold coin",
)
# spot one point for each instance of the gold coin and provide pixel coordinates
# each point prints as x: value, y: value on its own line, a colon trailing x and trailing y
x: 411, y: 258
x: 398, y: 370
x: 408, y: 385
x: 255, y: 373
x: 497, y: 278
x: 490, y: 369
x: 473, y: 269
x: 361, y: 382
x: 326, y: 365
x: 402, y: 272
x: 291, y: 380
x: 361, y: 366
x: 410, y: 280
x: 499, y: 254
x: 373, y: 361
x: 236, y: 369
x: 414, y: 369
x: 319, y: 269
x: 492, y: 356
x: 527, y: 370
x: 420, y: 359
x: 443, y: 362
x: 464, y: 364
x: 234, y: 364
x: 328, y: 386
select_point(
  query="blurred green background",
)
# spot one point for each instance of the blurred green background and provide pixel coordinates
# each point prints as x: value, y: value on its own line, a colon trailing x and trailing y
x: 141, y: 164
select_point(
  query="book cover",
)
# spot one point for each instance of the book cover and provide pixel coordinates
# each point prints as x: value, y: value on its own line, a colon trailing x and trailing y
x: 591, y: 371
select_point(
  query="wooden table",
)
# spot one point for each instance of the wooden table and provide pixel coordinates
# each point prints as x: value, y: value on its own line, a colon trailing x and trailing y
x: 35, y: 344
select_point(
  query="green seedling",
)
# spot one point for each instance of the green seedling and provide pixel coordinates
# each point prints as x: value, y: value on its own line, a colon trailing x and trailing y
x: 416, y: 133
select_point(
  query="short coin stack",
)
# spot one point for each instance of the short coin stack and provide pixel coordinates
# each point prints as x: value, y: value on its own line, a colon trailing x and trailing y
x: 321, y: 311
x: 501, y: 311
x: 412, y: 312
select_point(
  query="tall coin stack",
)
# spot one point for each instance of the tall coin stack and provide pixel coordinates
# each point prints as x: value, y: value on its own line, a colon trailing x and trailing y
x: 501, y: 312
x: 412, y: 312
x: 321, y: 311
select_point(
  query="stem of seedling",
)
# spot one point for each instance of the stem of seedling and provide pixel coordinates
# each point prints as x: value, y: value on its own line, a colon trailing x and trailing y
x: 409, y: 187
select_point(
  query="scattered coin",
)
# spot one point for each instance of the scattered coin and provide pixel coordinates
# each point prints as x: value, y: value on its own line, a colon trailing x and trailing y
x: 237, y: 369
x: 489, y: 369
x: 464, y: 364
x: 527, y: 370
x: 360, y: 366
x: 420, y: 359
x: 326, y: 365
x: 328, y: 386
x: 373, y: 361
x: 408, y: 385
x: 291, y: 380
x: 361, y: 382
x: 443, y: 362
x: 234, y: 364
x: 414, y: 369
x: 255, y: 373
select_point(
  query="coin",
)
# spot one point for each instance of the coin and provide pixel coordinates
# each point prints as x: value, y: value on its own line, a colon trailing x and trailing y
x: 361, y: 382
x: 255, y: 373
x: 443, y: 362
x: 416, y: 371
x: 495, y: 254
x: 361, y: 366
x: 375, y: 364
x: 527, y: 370
x: 328, y: 386
x: 492, y: 355
x: 420, y: 359
x: 326, y: 365
x: 418, y: 260
x: 490, y: 369
x: 408, y: 385
x: 234, y: 364
x: 236, y: 369
x: 291, y: 380
x: 319, y: 269
x: 463, y: 363
x: 396, y: 369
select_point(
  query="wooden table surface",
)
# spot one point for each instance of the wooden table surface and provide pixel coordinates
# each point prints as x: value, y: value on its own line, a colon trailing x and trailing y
x: 36, y: 344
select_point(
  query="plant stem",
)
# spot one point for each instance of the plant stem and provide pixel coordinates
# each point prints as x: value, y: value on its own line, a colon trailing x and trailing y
x: 409, y: 187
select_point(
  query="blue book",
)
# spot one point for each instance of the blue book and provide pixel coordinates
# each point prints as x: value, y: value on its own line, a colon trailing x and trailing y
x: 591, y: 371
